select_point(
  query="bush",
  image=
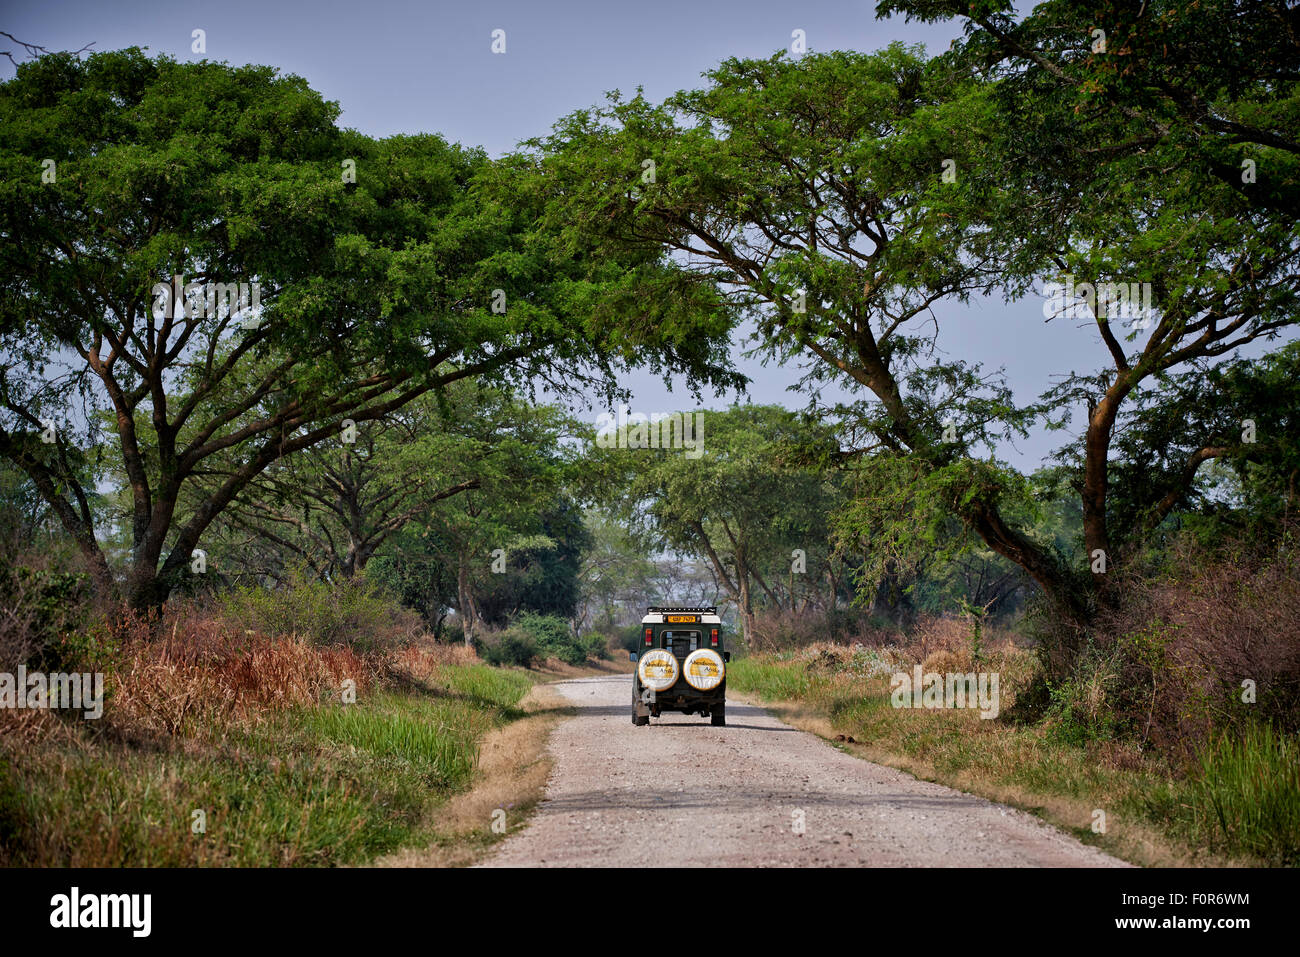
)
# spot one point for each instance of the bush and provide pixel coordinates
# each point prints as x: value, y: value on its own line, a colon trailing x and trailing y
x: 1200, y: 646
x: 352, y: 611
x: 512, y: 646
x: 40, y: 603
x: 452, y: 633
x: 596, y: 646
x: 1081, y: 709
x: 554, y: 640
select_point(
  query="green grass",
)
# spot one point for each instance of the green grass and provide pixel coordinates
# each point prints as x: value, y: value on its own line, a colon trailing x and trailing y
x: 436, y: 739
x: 489, y: 687
x: 1248, y: 795
x: 770, y: 680
x: 319, y: 786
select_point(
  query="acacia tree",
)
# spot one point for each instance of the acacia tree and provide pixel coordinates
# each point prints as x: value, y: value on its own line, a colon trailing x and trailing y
x: 490, y: 536
x: 333, y: 506
x: 383, y: 269
x: 837, y: 199
x: 1215, y: 80
x: 1155, y: 145
x: 737, y: 507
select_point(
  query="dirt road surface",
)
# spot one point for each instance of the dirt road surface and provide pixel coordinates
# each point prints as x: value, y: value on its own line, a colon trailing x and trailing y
x: 680, y: 793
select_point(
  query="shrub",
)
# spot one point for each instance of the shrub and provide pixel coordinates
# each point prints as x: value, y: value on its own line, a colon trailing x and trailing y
x: 452, y: 633
x: 351, y: 611
x: 511, y: 646
x: 1184, y: 641
x: 41, y: 600
x: 553, y: 637
x: 596, y: 646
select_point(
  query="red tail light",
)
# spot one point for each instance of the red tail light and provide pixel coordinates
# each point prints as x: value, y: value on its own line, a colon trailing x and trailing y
x: 713, y: 637
x: 649, y: 636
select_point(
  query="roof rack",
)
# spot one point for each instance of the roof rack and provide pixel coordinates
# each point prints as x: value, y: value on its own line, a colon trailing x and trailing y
x: 706, y: 609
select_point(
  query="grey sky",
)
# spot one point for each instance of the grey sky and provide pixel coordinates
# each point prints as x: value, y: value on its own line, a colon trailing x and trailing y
x: 413, y: 67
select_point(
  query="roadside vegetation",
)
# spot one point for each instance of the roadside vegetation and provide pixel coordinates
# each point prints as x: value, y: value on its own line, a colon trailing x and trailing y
x: 222, y: 745
x: 1150, y: 727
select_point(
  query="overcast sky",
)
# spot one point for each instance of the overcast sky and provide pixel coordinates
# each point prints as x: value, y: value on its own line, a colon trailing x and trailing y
x: 429, y: 67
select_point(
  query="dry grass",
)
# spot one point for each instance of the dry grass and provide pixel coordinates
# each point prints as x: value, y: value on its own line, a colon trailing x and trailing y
x: 175, y: 688
x: 200, y: 714
x: 832, y: 690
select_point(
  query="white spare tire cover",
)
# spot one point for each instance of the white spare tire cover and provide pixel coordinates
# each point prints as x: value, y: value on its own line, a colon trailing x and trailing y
x: 657, y: 669
x: 704, y: 669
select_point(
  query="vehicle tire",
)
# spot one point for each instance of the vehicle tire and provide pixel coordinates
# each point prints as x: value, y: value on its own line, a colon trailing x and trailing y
x: 719, y: 716
x: 638, y: 719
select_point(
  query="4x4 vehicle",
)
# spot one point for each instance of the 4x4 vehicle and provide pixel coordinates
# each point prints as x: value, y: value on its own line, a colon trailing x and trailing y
x: 681, y: 665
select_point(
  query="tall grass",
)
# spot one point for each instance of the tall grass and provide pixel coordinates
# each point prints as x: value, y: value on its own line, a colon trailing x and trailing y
x: 436, y: 738
x: 1248, y: 794
x: 767, y: 679
x: 486, y: 686
x: 253, y: 732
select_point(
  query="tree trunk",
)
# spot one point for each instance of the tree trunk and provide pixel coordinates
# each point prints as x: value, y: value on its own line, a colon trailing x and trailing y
x: 746, y: 607
x: 1096, y: 482
x: 1061, y: 590
x: 465, y: 602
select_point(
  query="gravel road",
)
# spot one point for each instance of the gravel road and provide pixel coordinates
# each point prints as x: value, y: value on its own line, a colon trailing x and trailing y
x: 681, y: 793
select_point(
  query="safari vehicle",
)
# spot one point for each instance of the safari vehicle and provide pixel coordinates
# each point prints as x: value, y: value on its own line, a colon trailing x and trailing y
x: 681, y: 665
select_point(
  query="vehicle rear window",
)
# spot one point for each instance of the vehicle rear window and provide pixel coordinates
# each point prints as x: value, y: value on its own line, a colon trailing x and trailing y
x: 681, y: 643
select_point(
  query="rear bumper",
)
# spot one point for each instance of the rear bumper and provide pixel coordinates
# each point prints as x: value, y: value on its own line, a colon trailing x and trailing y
x: 680, y: 697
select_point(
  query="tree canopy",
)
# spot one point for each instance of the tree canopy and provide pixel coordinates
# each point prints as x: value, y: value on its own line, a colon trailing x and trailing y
x: 372, y: 272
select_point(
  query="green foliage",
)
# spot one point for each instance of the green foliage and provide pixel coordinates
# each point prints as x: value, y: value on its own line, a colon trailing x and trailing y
x: 596, y: 646
x: 541, y: 578
x: 372, y: 291
x: 46, y: 619
x: 1078, y: 714
x: 531, y: 636
x: 901, y: 512
x: 347, y: 612
x: 91, y: 647
x: 510, y: 646
x: 519, y: 504
x: 553, y: 637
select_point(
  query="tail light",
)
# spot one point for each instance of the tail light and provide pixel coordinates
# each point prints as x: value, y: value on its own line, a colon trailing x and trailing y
x: 649, y: 636
x: 713, y: 637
